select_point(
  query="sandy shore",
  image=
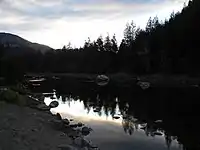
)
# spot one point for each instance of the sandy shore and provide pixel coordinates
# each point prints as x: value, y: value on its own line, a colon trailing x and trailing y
x: 25, y: 128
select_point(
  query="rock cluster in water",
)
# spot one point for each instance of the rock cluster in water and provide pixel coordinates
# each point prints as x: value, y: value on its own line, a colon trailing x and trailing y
x: 64, y: 125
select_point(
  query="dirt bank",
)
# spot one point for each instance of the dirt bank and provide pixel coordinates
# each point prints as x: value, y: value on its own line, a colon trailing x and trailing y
x: 24, y: 128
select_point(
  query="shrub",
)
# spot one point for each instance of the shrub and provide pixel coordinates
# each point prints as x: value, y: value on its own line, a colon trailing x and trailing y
x: 11, y: 96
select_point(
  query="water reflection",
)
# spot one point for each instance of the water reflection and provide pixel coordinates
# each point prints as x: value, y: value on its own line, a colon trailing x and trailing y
x: 166, y: 115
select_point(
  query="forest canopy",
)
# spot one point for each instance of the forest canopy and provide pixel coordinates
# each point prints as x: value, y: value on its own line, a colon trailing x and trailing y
x: 170, y: 47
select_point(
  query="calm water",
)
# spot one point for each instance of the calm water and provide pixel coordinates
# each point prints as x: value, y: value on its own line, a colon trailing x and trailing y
x: 132, y: 118
x: 109, y: 133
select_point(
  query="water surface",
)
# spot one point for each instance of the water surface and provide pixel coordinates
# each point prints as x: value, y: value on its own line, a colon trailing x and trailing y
x: 124, y: 132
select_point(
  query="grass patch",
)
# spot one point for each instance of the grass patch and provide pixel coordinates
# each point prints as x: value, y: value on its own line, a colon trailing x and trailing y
x: 11, y: 96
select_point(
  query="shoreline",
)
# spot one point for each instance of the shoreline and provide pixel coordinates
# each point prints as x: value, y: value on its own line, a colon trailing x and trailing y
x: 123, y: 79
x: 31, y: 127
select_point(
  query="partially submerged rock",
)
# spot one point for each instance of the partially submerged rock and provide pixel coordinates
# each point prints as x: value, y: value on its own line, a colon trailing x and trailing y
x: 97, y: 109
x: 116, y: 117
x: 144, y: 85
x: 53, y: 104
x: 157, y: 133
x: 85, y: 131
x: 80, y: 124
x: 66, y: 121
x: 58, y: 116
x: 102, y: 80
x: 158, y: 121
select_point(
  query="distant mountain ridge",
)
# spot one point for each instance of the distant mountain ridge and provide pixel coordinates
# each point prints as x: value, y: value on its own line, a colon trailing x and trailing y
x: 15, y: 41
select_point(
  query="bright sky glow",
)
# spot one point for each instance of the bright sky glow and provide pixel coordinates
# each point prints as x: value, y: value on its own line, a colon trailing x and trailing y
x: 76, y: 109
x: 55, y: 23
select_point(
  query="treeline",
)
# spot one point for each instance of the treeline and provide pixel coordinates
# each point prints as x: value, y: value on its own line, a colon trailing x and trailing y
x: 169, y: 47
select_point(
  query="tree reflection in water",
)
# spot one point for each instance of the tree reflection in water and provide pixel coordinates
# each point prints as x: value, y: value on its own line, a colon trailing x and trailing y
x: 169, y: 105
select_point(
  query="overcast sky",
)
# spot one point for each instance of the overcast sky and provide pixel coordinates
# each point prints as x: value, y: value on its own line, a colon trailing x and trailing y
x: 57, y: 22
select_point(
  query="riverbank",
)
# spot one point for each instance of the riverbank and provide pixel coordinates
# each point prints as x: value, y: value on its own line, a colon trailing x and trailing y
x: 124, y: 79
x: 22, y: 127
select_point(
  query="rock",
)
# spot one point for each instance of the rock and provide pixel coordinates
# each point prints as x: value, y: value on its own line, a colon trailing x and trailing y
x: 58, y: 124
x: 158, y: 121
x: 157, y: 133
x: 66, y: 147
x: 43, y: 107
x: 96, y: 110
x: 125, y: 117
x: 73, y: 125
x: 102, y: 80
x: 66, y: 121
x: 85, y: 131
x: 144, y: 85
x: 116, y: 117
x: 52, y: 97
x: 143, y: 128
x: 71, y: 119
x: 53, y: 104
x: 80, y: 124
x: 58, y: 116
x: 79, y: 141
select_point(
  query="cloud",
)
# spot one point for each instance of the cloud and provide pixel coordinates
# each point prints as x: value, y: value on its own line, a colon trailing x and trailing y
x: 49, y: 9
x: 31, y: 17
